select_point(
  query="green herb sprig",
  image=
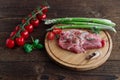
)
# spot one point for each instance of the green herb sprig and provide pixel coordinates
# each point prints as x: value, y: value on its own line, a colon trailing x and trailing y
x: 35, y: 45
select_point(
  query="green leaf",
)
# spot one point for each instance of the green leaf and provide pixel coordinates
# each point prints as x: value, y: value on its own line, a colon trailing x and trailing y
x: 39, y: 46
x: 28, y: 48
x: 36, y: 42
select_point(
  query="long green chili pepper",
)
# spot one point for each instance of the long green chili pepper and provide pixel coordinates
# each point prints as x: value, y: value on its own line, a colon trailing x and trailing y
x: 80, y: 19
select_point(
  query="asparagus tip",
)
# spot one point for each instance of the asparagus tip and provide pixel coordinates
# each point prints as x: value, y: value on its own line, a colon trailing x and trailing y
x: 50, y: 21
x: 114, y: 31
x: 49, y: 29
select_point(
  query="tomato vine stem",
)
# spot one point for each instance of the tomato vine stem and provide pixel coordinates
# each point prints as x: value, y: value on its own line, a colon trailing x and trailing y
x: 34, y: 13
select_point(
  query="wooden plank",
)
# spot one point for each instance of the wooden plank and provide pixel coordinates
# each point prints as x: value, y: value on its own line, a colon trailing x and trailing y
x: 106, y: 68
x: 60, y: 77
x: 69, y: 8
x: 48, y: 67
x: 8, y: 25
x: 17, y: 8
x: 24, y: 70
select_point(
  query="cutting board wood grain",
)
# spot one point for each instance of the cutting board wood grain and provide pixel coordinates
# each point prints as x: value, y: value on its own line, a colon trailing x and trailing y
x: 78, y: 61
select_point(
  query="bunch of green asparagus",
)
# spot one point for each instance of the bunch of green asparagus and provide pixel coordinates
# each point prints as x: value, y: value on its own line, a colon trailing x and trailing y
x: 95, y: 24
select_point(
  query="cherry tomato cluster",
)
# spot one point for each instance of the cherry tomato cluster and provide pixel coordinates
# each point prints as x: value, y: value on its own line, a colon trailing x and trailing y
x: 20, y: 33
x: 51, y: 35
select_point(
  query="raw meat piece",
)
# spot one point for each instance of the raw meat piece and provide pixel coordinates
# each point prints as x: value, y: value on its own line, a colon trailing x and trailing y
x: 78, y: 41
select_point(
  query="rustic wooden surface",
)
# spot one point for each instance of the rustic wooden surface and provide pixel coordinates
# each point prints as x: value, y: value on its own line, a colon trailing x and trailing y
x: 17, y: 65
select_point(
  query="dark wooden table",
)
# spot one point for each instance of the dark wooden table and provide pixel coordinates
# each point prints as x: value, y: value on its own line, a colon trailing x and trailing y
x: 15, y: 64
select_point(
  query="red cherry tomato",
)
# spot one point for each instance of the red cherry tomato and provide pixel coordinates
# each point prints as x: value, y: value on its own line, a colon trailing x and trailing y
x: 29, y: 28
x: 17, y: 28
x: 25, y: 34
x: 10, y: 43
x: 103, y: 43
x: 20, y: 41
x: 41, y: 16
x: 30, y: 15
x: 57, y: 30
x: 35, y: 22
x: 50, y: 36
x: 45, y: 9
x: 12, y: 34
x: 23, y: 20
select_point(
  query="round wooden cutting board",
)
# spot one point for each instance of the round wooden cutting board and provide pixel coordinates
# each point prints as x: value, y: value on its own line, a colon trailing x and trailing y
x: 79, y: 61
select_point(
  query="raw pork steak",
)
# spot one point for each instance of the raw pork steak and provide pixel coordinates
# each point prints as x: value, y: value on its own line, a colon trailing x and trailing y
x: 78, y: 41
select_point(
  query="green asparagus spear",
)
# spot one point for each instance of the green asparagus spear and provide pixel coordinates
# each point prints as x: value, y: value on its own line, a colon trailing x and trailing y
x: 87, y: 26
x: 80, y: 19
x: 82, y: 23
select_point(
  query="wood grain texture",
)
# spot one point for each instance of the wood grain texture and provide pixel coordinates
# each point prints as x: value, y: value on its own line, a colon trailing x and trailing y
x: 17, y: 65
